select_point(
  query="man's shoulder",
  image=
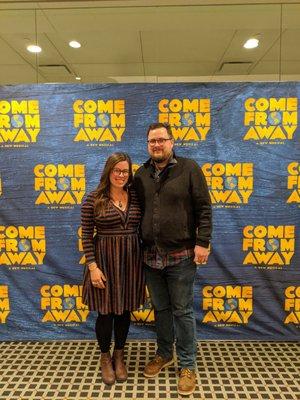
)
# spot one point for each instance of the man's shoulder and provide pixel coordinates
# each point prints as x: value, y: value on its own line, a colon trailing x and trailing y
x: 186, y: 162
x: 142, y: 169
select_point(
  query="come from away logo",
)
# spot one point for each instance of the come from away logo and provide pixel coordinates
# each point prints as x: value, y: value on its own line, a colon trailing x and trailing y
x: 22, y: 246
x: 271, y: 120
x: 293, y: 182
x: 4, y: 304
x: 144, y: 315
x: 19, y: 122
x: 99, y: 123
x: 292, y: 305
x: 230, y: 184
x: 227, y: 305
x: 63, y: 304
x: 269, y: 247
x: 135, y: 167
x: 63, y: 185
x: 190, y: 119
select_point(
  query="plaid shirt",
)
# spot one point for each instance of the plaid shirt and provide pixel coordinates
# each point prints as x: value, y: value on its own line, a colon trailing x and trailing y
x: 153, y: 259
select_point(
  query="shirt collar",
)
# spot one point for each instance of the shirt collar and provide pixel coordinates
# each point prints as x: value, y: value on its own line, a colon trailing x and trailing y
x: 172, y: 160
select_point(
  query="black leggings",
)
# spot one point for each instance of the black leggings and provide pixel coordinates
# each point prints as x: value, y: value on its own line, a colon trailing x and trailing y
x: 104, y: 327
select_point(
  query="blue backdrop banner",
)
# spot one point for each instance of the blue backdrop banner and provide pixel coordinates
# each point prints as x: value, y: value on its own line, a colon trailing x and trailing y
x: 54, y: 140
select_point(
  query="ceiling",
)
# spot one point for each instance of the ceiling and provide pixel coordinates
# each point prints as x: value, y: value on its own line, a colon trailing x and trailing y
x: 149, y: 41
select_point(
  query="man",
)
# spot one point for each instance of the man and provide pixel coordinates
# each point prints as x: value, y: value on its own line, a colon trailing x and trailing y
x: 176, y: 231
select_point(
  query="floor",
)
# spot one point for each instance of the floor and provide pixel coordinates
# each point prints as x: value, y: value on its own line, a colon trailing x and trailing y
x: 226, y: 370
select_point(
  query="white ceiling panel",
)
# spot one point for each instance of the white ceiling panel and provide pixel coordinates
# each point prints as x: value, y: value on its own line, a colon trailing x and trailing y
x: 176, y: 69
x: 131, y: 3
x: 88, y: 70
x: 49, y: 54
x: 19, y: 21
x: 265, y: 67
x: 146, y: 42
x: 217, y: 78
x: 290, y: 67
x: 105, y: 47
x: 9, y: 55
x: 236, y: 51
x: 94, y: 20
x: 290, y: 16
x: 136, y: 79
x: 189, y: 46
x: 234, y: 68
x: 154, y: 18
x: 291, y: 44
x: 270, y: 67
x: 290, y: 49
x: 273, y: 54
x: 14, y: 74
x: 16, y: 21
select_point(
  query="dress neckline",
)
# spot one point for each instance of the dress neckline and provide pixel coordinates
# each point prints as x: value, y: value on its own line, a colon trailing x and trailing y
x: 123, y: 213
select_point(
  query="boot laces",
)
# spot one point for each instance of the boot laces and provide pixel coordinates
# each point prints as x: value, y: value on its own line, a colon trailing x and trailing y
x: 186, y: 372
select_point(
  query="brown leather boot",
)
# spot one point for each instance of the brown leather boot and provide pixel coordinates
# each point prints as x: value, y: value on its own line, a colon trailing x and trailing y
x: 107, y: 371
x: 120, y: 367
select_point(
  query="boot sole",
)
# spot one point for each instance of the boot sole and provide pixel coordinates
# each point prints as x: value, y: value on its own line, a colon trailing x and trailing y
x: 121, y: 380
x: 166, y: 365
x: 108, y: 384
x: 186, y: 393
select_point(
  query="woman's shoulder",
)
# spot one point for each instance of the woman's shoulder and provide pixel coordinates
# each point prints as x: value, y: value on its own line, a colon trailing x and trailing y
x: 90, y: 197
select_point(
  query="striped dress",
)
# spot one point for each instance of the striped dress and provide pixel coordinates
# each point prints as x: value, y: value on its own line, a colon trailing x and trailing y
x: 116, y: 250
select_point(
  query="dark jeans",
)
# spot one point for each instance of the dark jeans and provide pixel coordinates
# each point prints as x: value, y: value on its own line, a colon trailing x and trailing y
x: 171, y: 291
x: 104, y: 327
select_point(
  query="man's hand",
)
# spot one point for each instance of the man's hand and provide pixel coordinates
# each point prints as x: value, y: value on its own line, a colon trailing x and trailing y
x: 201, y: 254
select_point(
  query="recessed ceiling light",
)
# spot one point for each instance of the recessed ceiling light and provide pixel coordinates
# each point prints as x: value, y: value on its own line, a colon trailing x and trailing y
x: 78, y: 78
x: 251, y: 43
x: 34, y: 48
x: 74, y: 44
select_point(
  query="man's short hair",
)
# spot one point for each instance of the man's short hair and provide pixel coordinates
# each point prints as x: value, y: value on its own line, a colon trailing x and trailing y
x: 157, y: 125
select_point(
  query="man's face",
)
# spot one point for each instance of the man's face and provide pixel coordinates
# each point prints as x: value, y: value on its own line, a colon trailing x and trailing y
x: 160, y: 150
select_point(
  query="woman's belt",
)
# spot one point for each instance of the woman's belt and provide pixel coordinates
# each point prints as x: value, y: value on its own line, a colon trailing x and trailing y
x: 114, y: 233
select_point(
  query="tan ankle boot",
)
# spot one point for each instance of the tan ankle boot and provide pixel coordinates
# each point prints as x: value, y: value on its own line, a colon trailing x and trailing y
x: 107, y: 371
x: 120, y: 368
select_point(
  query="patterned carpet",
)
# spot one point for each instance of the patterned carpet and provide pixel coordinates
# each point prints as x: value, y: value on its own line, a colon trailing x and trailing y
x: 226, y: 370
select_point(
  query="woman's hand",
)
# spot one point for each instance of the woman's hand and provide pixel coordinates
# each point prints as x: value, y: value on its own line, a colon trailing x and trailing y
x: 98, y: 278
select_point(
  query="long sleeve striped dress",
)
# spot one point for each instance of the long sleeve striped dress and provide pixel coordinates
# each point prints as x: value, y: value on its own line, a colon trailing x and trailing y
x: 116, y: 250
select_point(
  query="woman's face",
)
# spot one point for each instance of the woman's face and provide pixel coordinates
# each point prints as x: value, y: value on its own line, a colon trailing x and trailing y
x: 119, y: 174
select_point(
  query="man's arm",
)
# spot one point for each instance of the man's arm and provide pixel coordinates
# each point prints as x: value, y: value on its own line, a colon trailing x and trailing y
x: 203, y: 213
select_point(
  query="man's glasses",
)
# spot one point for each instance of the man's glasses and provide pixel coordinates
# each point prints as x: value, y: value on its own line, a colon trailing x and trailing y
x: 159, y: 141
x: 118, y: 172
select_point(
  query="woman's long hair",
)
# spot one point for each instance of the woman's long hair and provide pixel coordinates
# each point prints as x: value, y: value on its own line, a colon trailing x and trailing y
x: 102, y: 191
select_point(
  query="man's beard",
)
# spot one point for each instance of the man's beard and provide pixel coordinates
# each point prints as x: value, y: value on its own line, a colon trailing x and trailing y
x: 159, y: 159
x: 162, y: 158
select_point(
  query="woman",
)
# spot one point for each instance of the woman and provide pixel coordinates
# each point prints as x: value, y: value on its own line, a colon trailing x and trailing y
x: 113, y: 279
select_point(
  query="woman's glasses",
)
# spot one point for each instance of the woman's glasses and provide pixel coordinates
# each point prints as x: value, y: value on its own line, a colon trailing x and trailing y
x: 118, y: 172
